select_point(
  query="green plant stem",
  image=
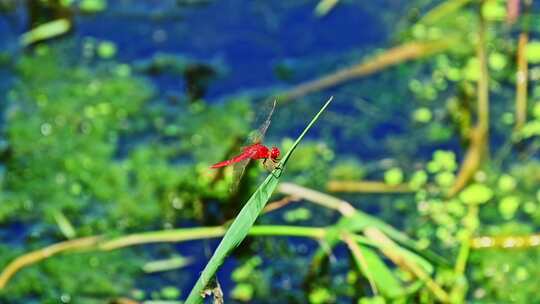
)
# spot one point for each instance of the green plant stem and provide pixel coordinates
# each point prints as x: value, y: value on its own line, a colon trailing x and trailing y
x: 442, y: 10
x: 460, y: 288
x: 463, y: 256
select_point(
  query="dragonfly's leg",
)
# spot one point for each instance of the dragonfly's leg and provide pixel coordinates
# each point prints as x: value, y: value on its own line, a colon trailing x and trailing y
x: 269, y: 166
x: 277, y: 169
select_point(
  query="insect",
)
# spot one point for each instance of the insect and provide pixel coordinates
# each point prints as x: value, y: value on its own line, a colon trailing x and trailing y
x: 256, y: 150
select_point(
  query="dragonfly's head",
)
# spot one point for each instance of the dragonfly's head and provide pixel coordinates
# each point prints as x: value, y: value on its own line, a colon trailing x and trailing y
x: 274, y: 153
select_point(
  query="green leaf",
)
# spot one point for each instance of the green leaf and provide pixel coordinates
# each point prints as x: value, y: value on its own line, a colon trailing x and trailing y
x: 445, y: 9
x: 45, y: 31
x: 324, y: 7
x: 166, y: 264
x: 296, y: 215
x: 92, y: 6
x: 64, y: 225
x: 383, y: 277
x: 245, y: 219
x: 170, y: 292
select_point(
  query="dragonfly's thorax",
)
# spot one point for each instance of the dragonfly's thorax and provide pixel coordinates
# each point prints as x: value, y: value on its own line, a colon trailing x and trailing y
x: 259, y: 151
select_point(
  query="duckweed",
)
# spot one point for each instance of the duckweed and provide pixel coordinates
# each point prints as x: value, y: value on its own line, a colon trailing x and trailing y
x: 106, y: 49
x: 422, y: 115
x: 476, y: 194
x: 508, y: 206
x: 393, y: 176
x: 533, y: 51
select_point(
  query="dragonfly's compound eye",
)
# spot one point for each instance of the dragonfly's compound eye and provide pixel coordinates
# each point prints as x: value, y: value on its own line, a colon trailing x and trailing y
x: 274, y: 153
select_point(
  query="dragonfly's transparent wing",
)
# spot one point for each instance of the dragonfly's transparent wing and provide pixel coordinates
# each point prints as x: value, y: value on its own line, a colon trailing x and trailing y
x: 258, y: 135
x: 238, y: 172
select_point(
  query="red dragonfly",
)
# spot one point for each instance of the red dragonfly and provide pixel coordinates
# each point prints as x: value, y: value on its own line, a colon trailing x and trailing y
x: 254, y: 151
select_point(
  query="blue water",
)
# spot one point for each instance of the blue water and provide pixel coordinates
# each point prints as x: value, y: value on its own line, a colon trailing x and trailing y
x: 249, y: 37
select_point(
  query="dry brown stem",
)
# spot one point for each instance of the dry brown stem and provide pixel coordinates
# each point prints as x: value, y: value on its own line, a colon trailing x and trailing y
x: 175, y: 235
x: 471, y: 162
x: 44, y: 253
x: 393, y: 56
x: 521, y: 82
x: 366, y: 187
x: 280, y: 203
x: 318, y: 198
x: 522, y: 73
x: 479, y: 136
